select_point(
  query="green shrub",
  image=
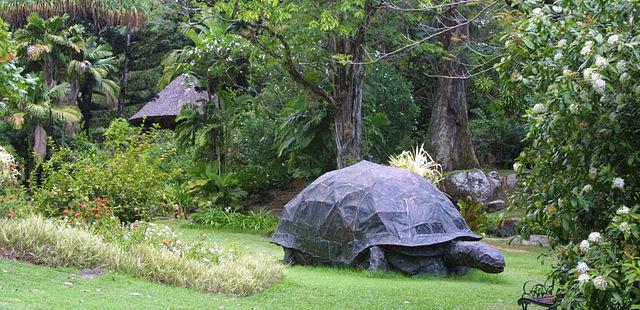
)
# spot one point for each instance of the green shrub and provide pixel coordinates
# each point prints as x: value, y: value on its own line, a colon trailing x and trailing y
x: 55, y: 244
x: 218, y: 218
x: 130, y: 174
x: 497, y: 141
x: 579, y: 62
x: 473, y: 214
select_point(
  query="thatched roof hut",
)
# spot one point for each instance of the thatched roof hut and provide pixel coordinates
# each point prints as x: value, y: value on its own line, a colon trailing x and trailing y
x: 168, y: 103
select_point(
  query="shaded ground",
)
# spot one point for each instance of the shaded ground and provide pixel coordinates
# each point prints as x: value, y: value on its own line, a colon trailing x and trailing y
x: 24, y: 286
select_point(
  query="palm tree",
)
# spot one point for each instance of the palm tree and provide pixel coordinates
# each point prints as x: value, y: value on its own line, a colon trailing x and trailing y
x: 49, y: 44
x: 38, y: 108
x: 129, y: 13
x: 90, y: 73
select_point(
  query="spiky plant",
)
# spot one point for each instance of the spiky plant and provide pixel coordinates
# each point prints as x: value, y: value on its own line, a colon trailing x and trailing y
x: 418, y: 162
x: 129, y: 13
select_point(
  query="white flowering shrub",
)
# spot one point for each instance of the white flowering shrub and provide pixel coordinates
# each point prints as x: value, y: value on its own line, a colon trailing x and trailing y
x: 577, y: 63
x: 8, y: 171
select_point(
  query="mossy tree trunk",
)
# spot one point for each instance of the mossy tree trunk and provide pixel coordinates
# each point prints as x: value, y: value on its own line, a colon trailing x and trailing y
x: 449, y: 135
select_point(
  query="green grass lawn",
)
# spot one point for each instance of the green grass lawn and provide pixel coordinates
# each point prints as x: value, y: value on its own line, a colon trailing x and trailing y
x: 24, y: 286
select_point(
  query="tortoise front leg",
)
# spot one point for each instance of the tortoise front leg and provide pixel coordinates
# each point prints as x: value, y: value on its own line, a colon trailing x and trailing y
x: 377, y: 260
x: 289, y: 257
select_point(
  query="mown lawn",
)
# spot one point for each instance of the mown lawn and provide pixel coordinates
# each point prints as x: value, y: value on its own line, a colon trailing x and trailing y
x: 24, y: 286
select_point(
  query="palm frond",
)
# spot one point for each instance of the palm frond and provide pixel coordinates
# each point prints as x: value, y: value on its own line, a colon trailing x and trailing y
x: 66, y: 113
x: 17, y: 119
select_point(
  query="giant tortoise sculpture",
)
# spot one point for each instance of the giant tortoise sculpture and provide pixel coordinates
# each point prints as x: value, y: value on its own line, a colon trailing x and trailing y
x: 381, y: 218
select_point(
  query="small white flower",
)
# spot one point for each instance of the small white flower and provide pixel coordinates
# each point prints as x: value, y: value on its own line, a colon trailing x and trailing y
x: 600, y: 283
x: 593, y: 172
x: 587, y: 73
x: 601, y: 61
x: 558, y: 56
x: 586, y: 49
x: 623, y: 210
x: 584, y: 246
x: 517, y: 167
x: 621, y: 65
x: 539, y: 108
x: 227, y: 209
x: 587, y: 188
x: 599, y: 84
x: 573, y: 108
x: 624, y: 77
x: 625, y: 227
x: 594, y: 237
x: 613, y: 39
x: 618, y: 183
x: 582, y: 267
x: 562, y: 43
x: 537, y: 11
x: 583, y: 278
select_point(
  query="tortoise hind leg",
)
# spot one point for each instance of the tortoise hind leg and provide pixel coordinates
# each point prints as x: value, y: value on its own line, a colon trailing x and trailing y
x: 377, y: 259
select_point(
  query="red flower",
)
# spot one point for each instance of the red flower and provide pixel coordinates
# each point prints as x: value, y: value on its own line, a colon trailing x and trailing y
x: 65, y: 212
x: 78, y: 214
x: 11, y: 214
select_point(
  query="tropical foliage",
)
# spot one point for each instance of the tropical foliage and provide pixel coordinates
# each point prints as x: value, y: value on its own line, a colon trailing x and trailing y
x: 579, y: 63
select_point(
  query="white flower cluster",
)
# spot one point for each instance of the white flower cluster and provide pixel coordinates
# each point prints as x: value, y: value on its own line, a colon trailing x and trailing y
x: 584, y: 246
x: 582, y: 267
x: 596, y: 79
x: 613, y: 39
x: 600, y: 283
x: 618, y: 183
x: 8, y: 171
x: 594, y: 237
x: 163, y: 237
x: 539, y: 108
x: 587, y: 48
x: 625, y: 227
x: 537, y: 12
x: 622, y: 211
x: 601, y: 61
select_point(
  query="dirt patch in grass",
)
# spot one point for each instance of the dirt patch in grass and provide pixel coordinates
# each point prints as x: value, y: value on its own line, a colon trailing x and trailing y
x: 510, y: 250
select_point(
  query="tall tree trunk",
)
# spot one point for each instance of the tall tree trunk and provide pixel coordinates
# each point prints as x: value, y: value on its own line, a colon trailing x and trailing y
x: 125, y: 75
x: 449, y: 135
x: 348, y: 86
x: 40, y: 142
x: 86, y: 104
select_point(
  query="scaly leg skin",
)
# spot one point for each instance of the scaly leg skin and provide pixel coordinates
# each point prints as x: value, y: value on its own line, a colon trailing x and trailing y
x: 289, y: 257
x: 377, y: 260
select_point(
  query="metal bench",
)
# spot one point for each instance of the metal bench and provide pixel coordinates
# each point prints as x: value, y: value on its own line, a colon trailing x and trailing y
x: 539, y: 294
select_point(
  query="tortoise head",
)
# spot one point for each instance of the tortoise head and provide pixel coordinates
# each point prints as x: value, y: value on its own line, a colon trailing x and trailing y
x: 474, y: 254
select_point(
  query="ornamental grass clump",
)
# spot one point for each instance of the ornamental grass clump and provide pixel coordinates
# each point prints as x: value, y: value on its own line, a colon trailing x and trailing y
x: 418, y: 162
x: 56, y: 244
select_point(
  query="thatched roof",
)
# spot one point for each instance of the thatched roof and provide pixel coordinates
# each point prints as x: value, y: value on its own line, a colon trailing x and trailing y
x: 168, y: 103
